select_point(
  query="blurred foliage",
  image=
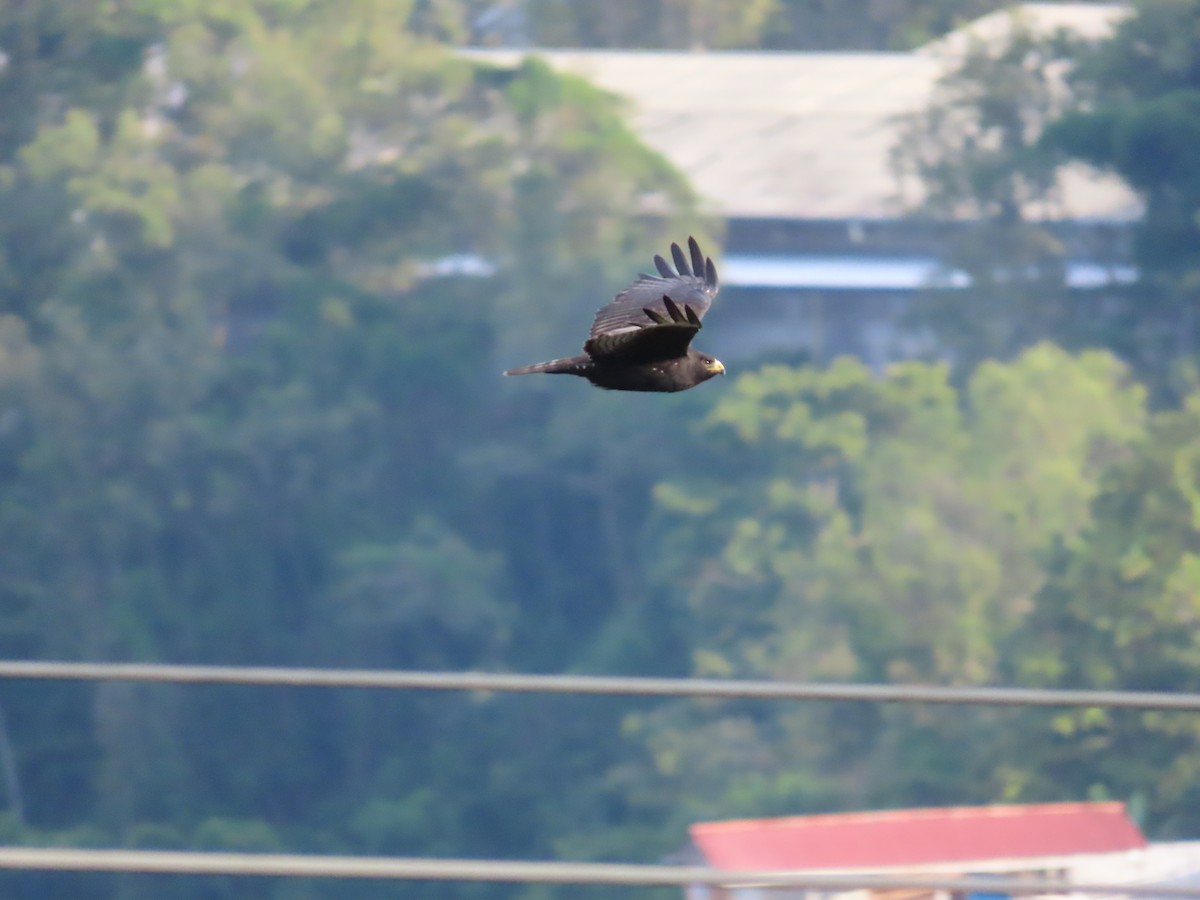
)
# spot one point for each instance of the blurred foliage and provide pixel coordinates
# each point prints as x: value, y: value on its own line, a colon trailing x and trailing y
x: 1034, y: 526
x: 828, y: 25
x: 666, y: 24
x: 975, y: 155
x: 991, y: 149
x: 899, y: 489
x: 1136, y: 113
x: 260, y: 266
x: 242, y: 411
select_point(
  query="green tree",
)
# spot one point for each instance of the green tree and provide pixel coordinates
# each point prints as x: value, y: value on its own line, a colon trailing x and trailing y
x: 863, y: 25
x: 244, y: 417
x: 1135, y: 114
x: 888, y: 529
x: 1137, y: 101
x: 821, y: 25
x: 664, y: 24
x: 1119, y: 610
x: 975, y: 156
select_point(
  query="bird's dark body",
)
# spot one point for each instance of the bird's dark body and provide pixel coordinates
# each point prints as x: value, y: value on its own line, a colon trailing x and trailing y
x: 664, y: 376
x: 640, y: 341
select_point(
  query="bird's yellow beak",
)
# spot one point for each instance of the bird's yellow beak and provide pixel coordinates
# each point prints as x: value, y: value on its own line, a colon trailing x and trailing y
x: 716, y: 367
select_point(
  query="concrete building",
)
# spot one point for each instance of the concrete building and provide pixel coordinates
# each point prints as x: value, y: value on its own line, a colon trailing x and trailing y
x: 793, y: 152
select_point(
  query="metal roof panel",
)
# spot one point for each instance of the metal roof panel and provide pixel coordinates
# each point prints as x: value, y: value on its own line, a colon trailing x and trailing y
x: 912, y: 837
x: 808, y: 135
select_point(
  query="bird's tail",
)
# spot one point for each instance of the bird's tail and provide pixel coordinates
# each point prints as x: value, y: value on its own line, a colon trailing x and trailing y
x: 570, y: 365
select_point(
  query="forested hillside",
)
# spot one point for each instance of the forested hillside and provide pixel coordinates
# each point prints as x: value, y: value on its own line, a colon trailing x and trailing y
x: 251, y: 412
x: 720, y: 25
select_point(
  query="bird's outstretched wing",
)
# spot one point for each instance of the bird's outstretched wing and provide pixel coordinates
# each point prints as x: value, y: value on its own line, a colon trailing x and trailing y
x: 657, y: 316
x: 665, y: 335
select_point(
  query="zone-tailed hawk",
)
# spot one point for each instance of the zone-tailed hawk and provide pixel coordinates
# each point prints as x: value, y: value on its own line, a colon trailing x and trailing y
x: 639, y: 341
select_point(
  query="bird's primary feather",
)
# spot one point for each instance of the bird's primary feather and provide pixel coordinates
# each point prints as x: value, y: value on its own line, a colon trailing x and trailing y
x: 629, y: 309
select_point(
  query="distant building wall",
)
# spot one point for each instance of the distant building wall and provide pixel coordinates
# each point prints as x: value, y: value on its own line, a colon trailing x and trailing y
x: 817, y: 289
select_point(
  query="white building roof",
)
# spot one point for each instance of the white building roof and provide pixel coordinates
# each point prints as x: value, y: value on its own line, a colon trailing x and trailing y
x: 1090, y: 21
x: 808, y: 135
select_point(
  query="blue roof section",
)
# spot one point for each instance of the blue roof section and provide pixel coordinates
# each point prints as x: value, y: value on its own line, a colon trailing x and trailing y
x: 1095, y: 275
x: 832, y: 273
x: 882, y: 273
x: 458, y: 265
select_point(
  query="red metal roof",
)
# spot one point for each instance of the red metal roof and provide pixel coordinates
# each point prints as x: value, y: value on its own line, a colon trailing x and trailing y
x: 910, y: 837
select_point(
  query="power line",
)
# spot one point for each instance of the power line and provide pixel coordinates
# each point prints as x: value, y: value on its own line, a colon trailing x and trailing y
x: 593, y: 684
x: 418, y: 869
x: 402, y: 868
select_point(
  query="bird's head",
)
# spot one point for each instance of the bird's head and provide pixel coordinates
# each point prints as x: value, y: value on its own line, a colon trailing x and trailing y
x: 709, y: 365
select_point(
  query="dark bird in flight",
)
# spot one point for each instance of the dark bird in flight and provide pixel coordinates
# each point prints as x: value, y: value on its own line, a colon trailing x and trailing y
x: 640, y: 341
